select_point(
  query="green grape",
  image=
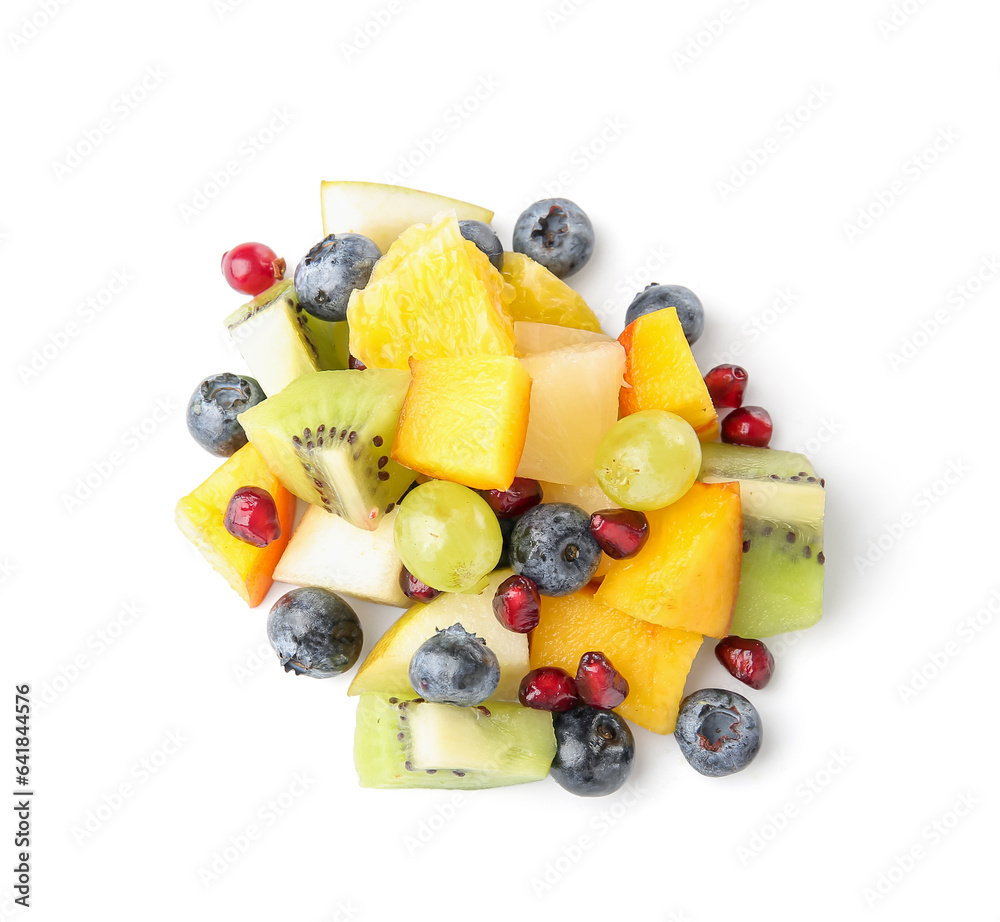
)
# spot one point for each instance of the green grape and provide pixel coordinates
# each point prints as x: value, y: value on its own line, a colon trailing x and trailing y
x: 447, y: 536
x: 648, y: 460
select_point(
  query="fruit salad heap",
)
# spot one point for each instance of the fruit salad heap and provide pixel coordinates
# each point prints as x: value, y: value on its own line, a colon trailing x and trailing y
x: 550, y: 505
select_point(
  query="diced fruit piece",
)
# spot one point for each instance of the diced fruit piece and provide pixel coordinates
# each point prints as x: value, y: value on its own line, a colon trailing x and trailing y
x: 542, y: 298
x: 518, y: 498
x: 746, y: 659
x: 749, y: 426
x: 280, y: 341
x: 718, y: 731
x: 447, y: 536
x: 548, y: 688
x: 654, y: 660
x: 484, y: 237
x: 464, y: 419
x: 648, y: 460
x: 655, y: 297
x: 598, y: 682
x: 783, y: 501
x: 516, y: 604
x: 688, y: 573
x: 315, y: 633
x: 621, y: 533
x: 251, y: 268
x: 331, y: 553
x: 726, y: 384
x: 552, y: 546
x: 386, y: 669
x: 661, y: 373
x: 252, y: 517
x: 454, y: 667
x: 199, y: 516
x: 214, y: 407
x: 556, y: 233
x: 328, y: 436
x: 574, y: 402
x: 530, y: 338
x: 382, y: 212
x: 414, y: 744
x: 331, y: 270
x: 595, y: 750
x: 433, y: 294
x: 414, y: 589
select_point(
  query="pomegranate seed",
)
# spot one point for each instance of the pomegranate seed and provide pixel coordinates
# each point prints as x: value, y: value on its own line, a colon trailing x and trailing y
x: 598, y: 683
x: 726, y: 384
x: 748, y: 426
x: 621, y: 533
x: 252, y: 517
x: 517, y: 604
x: 414, y: 589
x: 251, y: 268
x: 354, y: 363
x: 548, y: 689
x: 517, y: 499
x: 747, y: 660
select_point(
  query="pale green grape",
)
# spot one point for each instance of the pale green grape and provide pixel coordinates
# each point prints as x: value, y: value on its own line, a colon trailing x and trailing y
x: 648, y: 460
x: 447, y: 536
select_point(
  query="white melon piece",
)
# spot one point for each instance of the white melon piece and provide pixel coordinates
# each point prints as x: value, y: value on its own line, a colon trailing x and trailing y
x: 574, y: 401
x: 530, y: 338
x: 331, y: 553
x: 387, y: 668
x: 382, y: 212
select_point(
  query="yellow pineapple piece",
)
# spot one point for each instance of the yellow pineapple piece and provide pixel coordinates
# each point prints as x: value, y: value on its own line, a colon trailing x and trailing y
x: 542, y: 297
x: 464, y: 419
x: 433, y: 294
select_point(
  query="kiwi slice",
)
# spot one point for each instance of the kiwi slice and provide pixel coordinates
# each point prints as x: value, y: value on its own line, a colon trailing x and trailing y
x: 411, y: 743
x: 280, y: 341
x: 328, y: 438
x: 781, y: 577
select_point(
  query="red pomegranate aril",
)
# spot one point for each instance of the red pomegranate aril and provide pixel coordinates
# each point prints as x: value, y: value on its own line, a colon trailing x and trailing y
x: 726, y: 384
x: 414, y: 589
x: 251, y: 268
x: 747, y: 660
x: 252, y: 517
x: 598, y: 683
x: 355, y: 364
x: 548, y: 689
x: 748, y: 426
x: 517, y: 604
x: 621, y: 533
x: 517, y: 499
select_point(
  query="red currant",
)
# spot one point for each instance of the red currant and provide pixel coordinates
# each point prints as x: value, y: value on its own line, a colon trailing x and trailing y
x: 251, y: 268
x: 548, y: 689
x: 747, y: 660
x: 252, y: 517
x: 517, y: 604
x: 517, y: 499
x: 598, y: 683
x: 726, y: 384
x: 748, y: 426
x: 621, y: 533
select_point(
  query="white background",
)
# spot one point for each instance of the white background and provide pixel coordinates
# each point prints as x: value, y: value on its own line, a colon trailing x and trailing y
x: 638, y: 111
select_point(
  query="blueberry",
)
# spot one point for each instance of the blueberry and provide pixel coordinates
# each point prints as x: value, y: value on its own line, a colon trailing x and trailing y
x: 455, y: 667
x: 594, y: 751
x: 656, y: 297
x: 331, y: 270
x: 552, y: 545
x: 213, y: 408
x: 718, y: 731
x: 556, y: 233
x: 484, y: 237
x: 315, y: 633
